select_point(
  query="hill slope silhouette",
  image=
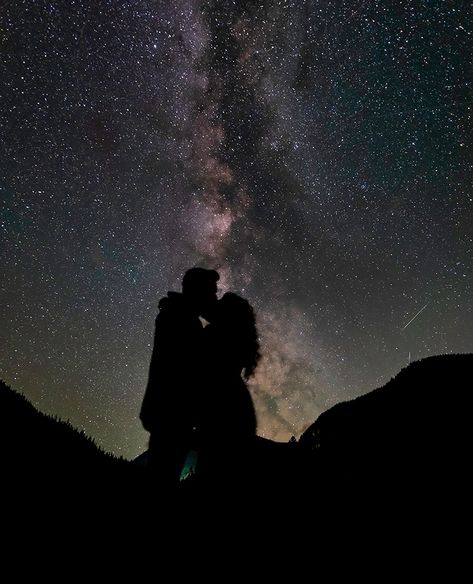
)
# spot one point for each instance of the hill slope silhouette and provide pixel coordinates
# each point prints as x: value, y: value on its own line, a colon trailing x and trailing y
x: 410, y: 434
x: 31, y: 440
x: 397, y: 452
x: 50, y: 471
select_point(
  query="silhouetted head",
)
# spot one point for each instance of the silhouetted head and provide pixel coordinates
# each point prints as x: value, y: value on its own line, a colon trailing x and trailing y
x: 236, y: 317
x: 199, y: 286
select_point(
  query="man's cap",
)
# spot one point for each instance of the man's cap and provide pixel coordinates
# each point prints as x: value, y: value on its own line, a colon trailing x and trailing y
x: 197, y: 277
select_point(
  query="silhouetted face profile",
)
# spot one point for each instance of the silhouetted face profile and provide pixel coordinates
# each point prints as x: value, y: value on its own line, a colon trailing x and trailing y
x: 199, y: 286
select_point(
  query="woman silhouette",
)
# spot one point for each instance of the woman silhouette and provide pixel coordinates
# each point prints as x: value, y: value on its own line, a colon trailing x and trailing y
x: 228, y: 418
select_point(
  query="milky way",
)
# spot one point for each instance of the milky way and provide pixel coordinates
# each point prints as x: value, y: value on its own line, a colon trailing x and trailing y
x: 317, y: 153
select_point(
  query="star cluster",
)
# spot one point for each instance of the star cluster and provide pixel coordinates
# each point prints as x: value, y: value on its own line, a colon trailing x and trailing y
x: 316, y: 152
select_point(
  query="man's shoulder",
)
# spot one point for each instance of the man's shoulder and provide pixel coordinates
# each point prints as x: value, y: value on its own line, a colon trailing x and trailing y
x: 172, y: 303
x: 174, y: 308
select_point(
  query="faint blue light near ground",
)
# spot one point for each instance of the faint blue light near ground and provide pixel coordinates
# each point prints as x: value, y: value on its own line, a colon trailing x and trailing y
x: 189, y: 465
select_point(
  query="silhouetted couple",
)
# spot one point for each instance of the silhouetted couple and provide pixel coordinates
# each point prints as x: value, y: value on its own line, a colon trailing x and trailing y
x: 196, y: 396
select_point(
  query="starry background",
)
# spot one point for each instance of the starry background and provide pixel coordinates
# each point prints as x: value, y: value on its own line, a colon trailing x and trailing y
x: 318, y: 153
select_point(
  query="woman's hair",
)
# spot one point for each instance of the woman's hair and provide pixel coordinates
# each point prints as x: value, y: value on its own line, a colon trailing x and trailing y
x: 239, y: 316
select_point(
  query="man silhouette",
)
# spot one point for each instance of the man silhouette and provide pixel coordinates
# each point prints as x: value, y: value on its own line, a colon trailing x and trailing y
x: 170, y: 404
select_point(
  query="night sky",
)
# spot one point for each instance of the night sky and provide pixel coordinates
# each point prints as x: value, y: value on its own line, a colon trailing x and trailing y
x: 317, y: 153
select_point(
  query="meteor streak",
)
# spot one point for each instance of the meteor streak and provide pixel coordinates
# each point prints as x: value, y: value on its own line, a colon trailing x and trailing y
x: 415, y: 316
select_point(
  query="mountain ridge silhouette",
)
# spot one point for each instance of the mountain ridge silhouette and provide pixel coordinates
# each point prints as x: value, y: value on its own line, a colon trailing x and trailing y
x: 396, y: 449
x: 410, y: 434
x: 20, y: 417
